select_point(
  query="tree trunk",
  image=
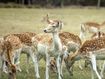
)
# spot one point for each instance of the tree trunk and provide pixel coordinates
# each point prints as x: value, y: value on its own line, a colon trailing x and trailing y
x: 16, y: 1
x: 62, y: 3
x: 98, y: 3
x: 23, y: 2
x: 29, y: 2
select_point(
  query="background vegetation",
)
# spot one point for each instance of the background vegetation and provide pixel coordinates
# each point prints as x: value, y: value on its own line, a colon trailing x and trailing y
x: 51, y: 3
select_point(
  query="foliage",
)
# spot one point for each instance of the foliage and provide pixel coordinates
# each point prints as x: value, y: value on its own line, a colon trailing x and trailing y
x: 57, y: 3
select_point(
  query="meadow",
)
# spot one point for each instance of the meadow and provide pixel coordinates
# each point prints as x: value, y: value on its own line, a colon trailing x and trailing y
x: 29, y: 20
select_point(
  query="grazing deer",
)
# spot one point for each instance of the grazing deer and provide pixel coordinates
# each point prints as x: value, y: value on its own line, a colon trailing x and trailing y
x: 98, y: 35
x: 89, y: 50
x: 9, y: 48
x: 14, y: 41
x: 90, y: 27
x: 29, y: 48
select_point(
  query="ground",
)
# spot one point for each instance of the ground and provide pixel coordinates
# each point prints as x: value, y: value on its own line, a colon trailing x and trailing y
x: 30, y: 20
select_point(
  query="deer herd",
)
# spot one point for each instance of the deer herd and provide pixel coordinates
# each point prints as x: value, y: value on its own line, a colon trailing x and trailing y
x: 55, y: 47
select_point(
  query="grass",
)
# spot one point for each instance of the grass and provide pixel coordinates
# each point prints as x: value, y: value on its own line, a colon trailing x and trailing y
x: 23, y: 20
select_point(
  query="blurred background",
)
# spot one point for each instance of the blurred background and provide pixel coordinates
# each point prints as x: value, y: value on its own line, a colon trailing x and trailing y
x: 51, y: 3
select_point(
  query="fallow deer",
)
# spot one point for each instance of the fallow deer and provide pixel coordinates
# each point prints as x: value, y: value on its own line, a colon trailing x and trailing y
x: 70, y: 41
x: 28, y: 47
x: 98, y: 35
x: 26, y: 39
x: 9, y: 48
x: 91, y: 27
x: 56, y: 49
x: 90, y: 50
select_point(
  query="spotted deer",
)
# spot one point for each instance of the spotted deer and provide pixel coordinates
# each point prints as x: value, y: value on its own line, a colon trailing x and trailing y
x: 98, y: 35
x: 8, y: 49
x: 91, y: 27
x: 47, y: 46
x: 90, y: 50
x: 26, y: 40
x: 29, y: 48
x: 71, y: 42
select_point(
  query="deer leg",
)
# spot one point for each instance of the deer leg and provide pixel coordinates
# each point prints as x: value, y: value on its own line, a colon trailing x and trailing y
x: 80, y: 66
x: 16, y: 60
x: 93, y: 61
x: 47, y: 66
x: 28, y: 56
x: 92, y: 73
x: 35, y: 62
x: 103, y: 68
x: 61, y: 65
x: 4, y: 67
x: 58, y: 67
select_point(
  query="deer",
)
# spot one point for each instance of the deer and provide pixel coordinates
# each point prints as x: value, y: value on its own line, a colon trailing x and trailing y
x: 91, y: 27
x: 70, y: 41
x: 29, y: 47
x: 28, y: 40
x: 8, y: 49
x: 90, y: 50
x: 98, y: 35
x: 56, y: 49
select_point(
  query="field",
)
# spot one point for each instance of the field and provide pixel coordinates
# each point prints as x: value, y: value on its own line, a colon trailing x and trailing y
x: 29, y: 20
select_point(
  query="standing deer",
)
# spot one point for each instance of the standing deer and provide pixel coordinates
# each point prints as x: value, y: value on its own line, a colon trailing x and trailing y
x: 56, y: 48
x: 91, y: 27
x: 71, y: 42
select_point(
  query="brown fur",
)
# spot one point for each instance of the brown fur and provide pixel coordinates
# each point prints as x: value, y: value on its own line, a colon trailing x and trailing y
x: 92, y: 45
x: 99, y: 34
x: 44, y: 38
x: 93, y: 24
x: 64, y: 36
x: 89, y: 46
x: 14, y: 40
x: 24, y: 38
x: 8, y: 47
x: 67, y: 36
x: 31, y: 34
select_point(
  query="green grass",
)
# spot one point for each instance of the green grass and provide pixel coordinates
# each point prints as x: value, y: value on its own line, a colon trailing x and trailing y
x: 23, y: 20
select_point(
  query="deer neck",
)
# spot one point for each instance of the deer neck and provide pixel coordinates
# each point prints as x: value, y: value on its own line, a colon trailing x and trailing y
x: 57, y: 46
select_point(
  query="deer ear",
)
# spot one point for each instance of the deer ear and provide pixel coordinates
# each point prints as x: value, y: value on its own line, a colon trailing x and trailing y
x: 48, y: 20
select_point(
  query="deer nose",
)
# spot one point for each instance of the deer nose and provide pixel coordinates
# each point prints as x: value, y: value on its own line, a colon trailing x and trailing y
x: 45, y: 30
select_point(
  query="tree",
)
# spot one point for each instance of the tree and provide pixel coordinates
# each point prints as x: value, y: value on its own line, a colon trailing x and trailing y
x: 29, y: 2
x: 62, y: 3
x: 98, y: 3
x: 23, y: 2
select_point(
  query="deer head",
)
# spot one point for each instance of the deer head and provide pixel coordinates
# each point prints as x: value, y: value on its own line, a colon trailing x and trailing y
x: 8, y: 60
x: 53, y: 27
x: 11, y: 70
x: 98, y: 35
